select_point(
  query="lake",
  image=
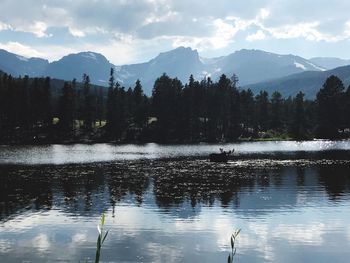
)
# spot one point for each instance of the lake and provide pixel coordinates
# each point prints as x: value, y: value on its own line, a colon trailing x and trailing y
x: 166, y: 203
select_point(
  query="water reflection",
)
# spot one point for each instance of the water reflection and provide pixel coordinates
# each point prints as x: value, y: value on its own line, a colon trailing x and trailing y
x: 336, y: 181
x: 90, y: 189
x: 177, y: 210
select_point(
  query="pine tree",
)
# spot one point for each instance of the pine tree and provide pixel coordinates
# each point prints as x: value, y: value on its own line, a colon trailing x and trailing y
x: 66, y: 108
x: 262, y: 110
x: 346, y: 112
x: 120, y: 111
x: 247, y: 106
x: 88, y: 107
x: 167, y: 108
x: 110, y: 116
x: 298, y: 128
x: 100, y: 106
x: 46, y: 102
x: 276, y: 111
x: 329, y: 107
x: 141, y: 109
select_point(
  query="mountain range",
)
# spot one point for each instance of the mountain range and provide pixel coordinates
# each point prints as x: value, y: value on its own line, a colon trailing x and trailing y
x: 256, y: 69
x: 251, y: 66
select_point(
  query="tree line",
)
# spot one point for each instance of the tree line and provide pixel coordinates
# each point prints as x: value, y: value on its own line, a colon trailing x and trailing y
x: 197, y: 111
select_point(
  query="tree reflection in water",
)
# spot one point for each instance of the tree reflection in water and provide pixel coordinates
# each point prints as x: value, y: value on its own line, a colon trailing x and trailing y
x: 91, y: 189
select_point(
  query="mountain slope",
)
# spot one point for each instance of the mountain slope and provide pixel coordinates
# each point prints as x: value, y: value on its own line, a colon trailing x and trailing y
x: 330, y: 63
x: 17, y: 65
x: 180, y: 62
x: 308, y: 82
x: 75, y: 65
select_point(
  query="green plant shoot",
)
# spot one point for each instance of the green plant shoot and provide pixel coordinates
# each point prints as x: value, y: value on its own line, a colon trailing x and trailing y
x: 101, y: 238
x: 233, y: 248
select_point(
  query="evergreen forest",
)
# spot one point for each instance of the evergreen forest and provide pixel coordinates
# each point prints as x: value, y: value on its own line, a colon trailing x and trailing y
x: 197, y: 111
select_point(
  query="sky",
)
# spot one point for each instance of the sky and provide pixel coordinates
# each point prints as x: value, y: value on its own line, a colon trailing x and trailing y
x: 133, y: 31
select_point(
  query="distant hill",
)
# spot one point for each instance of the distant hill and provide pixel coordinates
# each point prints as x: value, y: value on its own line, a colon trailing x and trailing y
x: 330, y: 63
x: 308, y: 82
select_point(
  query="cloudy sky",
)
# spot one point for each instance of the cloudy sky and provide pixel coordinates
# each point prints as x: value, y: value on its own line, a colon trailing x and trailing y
x: 129, y: 31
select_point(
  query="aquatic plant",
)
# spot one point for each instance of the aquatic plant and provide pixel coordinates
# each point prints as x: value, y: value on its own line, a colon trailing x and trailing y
x: 100, y: 239
x: 233, y: 248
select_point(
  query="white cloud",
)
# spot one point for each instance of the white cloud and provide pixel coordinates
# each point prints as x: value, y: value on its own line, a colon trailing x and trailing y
x: 225, y: 31
x: 4, y: 26
x: 259, y: 35
x: 263, y: 14
x: 347, y: 29
x: 120, y: 52
x: 76, y: 32
x: 194, y: 42
x: 308, y: 31
x: 38, y: 28
x: 156, y: 18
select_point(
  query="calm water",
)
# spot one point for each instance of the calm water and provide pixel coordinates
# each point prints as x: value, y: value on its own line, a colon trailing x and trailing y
x: 169, y: 204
